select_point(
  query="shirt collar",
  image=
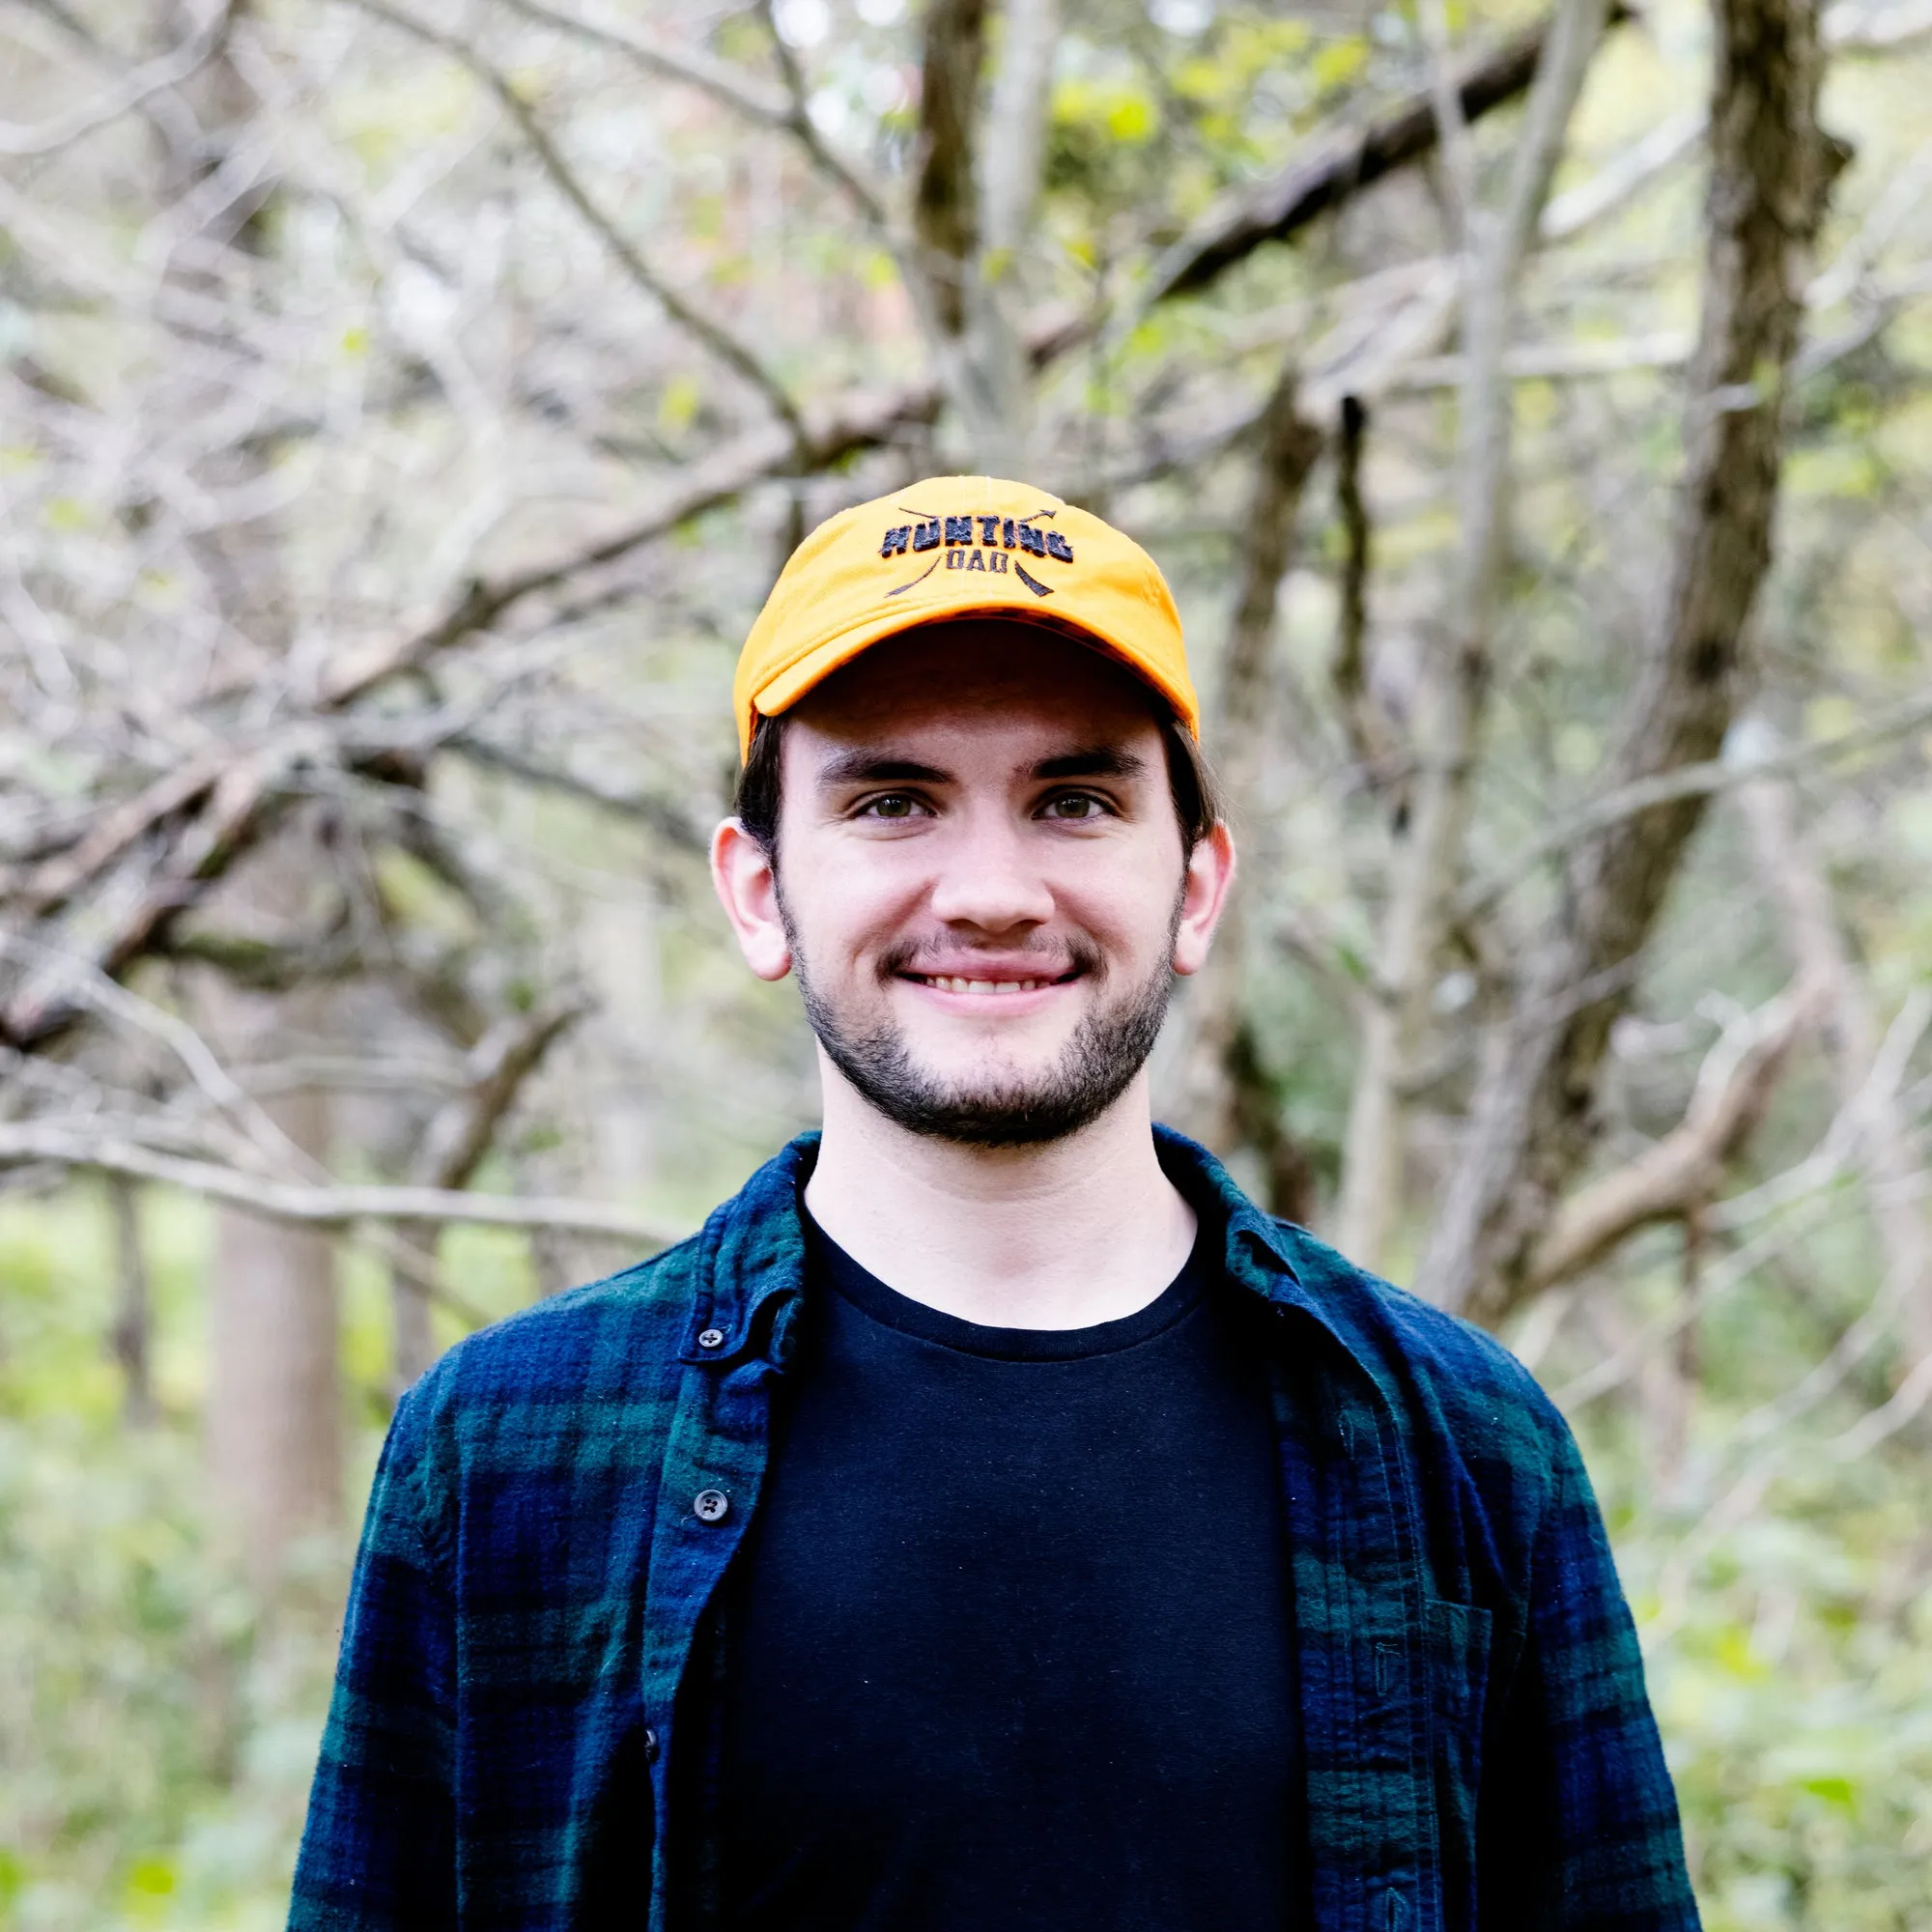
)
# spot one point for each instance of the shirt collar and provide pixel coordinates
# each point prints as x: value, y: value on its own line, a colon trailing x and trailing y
x: 1254, y: 1249
x: 754, y: 1247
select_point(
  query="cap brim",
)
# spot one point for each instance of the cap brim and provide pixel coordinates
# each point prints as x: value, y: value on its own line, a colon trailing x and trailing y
x: 782, y: 692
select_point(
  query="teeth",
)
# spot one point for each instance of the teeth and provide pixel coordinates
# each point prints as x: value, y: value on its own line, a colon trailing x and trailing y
x: 952, y: 982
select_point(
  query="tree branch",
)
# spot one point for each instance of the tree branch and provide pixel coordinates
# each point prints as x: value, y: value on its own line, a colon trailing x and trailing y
x: 669, y: 821
x: 460, y: 1133
x: 1682, y: 1172
x: 1534, y: 1117
x: 857, y: 424
x: 1789, y: 868
x: 798, y: 122
x: 1233, y: 1098
x: 717, y: 340
x: 114, y: 830
x: 1701, y: 779
x: 319, y: 1207
x: 725, y: 83
x: 1371, y: 736
x: 202, y: 42
x: 1457, y: 678
x: 851, y: 425
x: 1312, y: 188
x: 452, y: 1146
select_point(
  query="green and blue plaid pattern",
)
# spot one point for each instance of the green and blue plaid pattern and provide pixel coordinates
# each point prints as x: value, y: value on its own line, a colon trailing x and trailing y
x: 523, y: 1737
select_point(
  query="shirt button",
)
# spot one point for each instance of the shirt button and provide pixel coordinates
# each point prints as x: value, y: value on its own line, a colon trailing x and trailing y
x: 710, y: 1505
x: 711, y: 1338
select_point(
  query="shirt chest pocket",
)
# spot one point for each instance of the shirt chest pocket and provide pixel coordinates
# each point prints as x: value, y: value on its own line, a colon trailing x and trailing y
x: 1459, y: 1675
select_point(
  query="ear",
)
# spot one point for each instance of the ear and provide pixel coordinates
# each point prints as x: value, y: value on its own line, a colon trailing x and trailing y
x: 748, y: 888
x: 1210, y: 871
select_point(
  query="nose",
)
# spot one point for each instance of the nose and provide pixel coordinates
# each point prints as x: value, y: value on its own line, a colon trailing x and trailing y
x: 988, y: 877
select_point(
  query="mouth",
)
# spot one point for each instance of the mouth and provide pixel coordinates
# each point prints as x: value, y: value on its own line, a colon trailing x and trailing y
x: 959, y: 983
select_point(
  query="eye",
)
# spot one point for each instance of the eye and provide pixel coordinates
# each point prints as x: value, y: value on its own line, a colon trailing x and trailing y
x: 892, y: 805
x: 1077, y: 806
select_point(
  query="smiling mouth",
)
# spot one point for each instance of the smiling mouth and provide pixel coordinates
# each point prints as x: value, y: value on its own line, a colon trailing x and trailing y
x: 954, y: 982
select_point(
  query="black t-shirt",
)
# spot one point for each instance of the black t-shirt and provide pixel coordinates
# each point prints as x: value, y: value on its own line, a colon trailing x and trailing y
x: 1009, y: 1642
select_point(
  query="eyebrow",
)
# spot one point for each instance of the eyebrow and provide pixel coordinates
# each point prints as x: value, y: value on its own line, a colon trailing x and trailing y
x: 864, y: 767
x: 1093, y: 761
x: 867, y: 767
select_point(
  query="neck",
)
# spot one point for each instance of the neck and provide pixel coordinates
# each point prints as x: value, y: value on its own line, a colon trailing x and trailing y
x: 1078, y: 1230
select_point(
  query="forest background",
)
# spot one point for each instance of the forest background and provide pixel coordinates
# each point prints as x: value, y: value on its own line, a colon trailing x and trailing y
x: 408, y: 403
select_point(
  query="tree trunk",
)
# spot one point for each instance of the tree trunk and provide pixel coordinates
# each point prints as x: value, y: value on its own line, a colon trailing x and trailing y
x: 1534, y: 1117
x: 945, y: 205
x: 274, y: 1398
x: 131, y: 1340
x: 1013, y: 149
x: 1230, y: 1100
x: 1432, y: 827
x: 1792, y: 875
x: 411, y: 1270
x: 274, y: 1426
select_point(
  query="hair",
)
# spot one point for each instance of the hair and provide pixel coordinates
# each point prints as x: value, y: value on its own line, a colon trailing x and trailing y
x: 1190, y: 781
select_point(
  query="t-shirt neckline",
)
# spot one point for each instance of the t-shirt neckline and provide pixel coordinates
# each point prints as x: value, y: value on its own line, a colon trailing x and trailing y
x: 887, y: 1306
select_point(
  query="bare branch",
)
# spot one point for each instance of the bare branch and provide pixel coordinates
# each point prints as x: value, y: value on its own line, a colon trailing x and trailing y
x: 1534, y: 1116
x: 725, y: 83
x: 1309, y: 189
x: 717, y: 340
x: 140, y: 84
x: 676, y: 827
x: 50, y: 885
x: 460, y: 1135
x: 1789, y: 867
x: 1452, y: 130
x: 68, y: 979
x: 1370, y: 734
x: 321, y: 1207
x: 1702, y: 779
x: 1623, y: 175
x: 856, y: 423
x: 1682, y: 1172
x: 1430, y: 836
x: 1877, y: 29
x: 864, y: 194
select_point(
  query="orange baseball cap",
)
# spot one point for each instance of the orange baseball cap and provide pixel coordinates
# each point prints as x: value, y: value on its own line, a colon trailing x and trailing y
x: 959, y: 547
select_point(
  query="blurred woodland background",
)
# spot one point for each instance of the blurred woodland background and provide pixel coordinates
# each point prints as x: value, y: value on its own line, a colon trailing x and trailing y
x: 407, y: 405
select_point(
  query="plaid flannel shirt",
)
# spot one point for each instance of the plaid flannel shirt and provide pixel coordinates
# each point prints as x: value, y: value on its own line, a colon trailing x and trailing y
x: 524, y: 1732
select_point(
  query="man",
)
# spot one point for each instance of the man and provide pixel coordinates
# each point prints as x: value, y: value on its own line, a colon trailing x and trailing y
x: 991, y: 1520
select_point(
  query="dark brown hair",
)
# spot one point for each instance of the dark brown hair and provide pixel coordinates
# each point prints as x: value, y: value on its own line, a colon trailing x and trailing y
x: 1196, y: 800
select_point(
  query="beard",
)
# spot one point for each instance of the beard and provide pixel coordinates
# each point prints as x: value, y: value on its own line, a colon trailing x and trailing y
x: 1108, y: 1047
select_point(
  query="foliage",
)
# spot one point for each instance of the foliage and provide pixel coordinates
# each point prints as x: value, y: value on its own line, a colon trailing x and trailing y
x: 157, y: 1728
x: 313, y: 353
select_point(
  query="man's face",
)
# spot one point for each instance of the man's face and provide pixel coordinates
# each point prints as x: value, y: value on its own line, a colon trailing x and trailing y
x: 982, y: 882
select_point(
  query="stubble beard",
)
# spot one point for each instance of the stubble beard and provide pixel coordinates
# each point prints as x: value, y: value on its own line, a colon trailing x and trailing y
x: 1107, y: 1048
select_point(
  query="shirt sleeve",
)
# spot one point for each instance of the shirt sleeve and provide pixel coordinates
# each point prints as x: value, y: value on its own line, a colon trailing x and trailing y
x: 379, y: 1848
x: 1578, y: 1821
